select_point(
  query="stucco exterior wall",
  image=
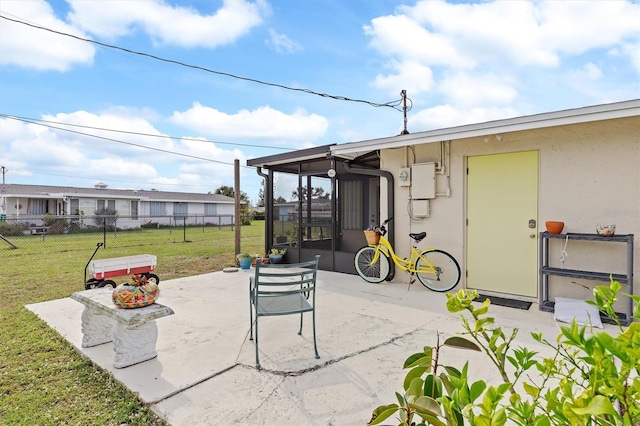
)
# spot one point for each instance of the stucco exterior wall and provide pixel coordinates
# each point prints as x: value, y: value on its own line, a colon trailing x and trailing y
x: 588, y: 174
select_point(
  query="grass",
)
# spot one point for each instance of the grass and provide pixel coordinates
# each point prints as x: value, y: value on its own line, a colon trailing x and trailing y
x: 43, y: 379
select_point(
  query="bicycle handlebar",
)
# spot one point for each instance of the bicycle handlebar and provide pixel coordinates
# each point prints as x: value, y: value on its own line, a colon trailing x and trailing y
x: 382, y: 228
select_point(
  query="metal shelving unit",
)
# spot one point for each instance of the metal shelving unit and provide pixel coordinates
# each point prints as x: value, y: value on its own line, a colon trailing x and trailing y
x: 545, y: 270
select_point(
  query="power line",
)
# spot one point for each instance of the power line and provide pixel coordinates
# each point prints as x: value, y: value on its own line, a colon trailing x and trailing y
x: 129, y: 143
x: 392, y: 104
x: 37, y: 120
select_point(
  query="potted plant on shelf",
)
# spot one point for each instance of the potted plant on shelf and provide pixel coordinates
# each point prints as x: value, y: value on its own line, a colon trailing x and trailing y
x: 275, y: 255
x: 244, y: 260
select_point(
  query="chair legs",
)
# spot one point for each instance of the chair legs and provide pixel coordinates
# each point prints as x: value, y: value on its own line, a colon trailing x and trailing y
x: 256, y: 344
x: 315, y: 345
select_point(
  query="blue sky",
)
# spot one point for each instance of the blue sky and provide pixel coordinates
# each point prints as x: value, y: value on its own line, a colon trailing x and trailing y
x: 180, y: 128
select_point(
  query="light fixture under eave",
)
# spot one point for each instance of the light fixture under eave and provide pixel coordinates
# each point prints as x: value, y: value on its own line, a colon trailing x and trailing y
x: 488, y: 138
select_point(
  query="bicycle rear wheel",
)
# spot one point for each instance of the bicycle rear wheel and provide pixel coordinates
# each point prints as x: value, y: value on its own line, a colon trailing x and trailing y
x: 437, y: 270
x: 367, y: 269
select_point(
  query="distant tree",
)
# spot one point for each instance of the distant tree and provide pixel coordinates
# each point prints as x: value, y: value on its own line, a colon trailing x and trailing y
x: 260, y: 202
x: 245, y: 218
x: 316, y: 192
x: 279, y: 200
x: 106, y: 217
x: 230, y: 192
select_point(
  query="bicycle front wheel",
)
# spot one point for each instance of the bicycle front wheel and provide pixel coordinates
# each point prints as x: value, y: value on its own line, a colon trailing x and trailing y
x: 437, y: 270
x: 374, y: 272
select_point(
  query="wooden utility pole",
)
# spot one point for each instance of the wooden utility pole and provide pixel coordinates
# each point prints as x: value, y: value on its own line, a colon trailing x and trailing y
x: 236, y: 190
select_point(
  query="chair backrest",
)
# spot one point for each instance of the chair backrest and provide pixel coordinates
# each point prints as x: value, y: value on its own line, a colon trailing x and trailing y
x: 286, y: 278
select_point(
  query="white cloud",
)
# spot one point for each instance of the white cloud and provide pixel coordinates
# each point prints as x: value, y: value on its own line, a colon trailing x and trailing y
x: 168, y: 24
x: 462, y: 89
x: 281, y: 43
x: 633, y: 51
x: 28, y: 148
x: 401, y: 36
x: 30, y: 47
x: 409, y: 75
x: 443, y: 116
x: 491, y: 53
x: 264, y: 123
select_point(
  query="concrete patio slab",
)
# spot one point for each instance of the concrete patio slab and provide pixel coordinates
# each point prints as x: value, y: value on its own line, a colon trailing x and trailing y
x: 205, y: 370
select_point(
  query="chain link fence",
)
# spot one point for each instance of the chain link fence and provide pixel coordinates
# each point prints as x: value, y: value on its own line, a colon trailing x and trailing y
x: 53, y: 234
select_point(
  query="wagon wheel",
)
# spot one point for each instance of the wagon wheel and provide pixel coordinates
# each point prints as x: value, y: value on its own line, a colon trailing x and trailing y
x: 108, y: 284
x: 92, y: 283
x: 152, y: 278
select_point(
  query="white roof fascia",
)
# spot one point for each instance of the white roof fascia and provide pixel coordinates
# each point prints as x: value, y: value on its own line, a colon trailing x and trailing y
x: 104, y: 196
x: 551, y: 119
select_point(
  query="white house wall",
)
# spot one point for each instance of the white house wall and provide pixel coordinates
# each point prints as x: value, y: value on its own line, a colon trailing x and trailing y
x: 588, y: 174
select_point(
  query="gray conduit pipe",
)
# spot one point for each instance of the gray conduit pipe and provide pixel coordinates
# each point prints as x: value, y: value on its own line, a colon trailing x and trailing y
x: 268, y: 205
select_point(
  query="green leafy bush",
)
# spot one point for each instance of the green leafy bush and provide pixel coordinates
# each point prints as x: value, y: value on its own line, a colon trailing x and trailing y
x: 591, y: 379
x: 8, y: 229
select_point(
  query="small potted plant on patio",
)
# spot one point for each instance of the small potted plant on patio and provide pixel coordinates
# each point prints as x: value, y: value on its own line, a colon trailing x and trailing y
x: 275, y: 256
x: 244, y: 260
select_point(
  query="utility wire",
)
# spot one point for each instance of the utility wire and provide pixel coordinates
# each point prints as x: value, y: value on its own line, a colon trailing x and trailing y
x: 392, y: 104
x: 37, y: 121
x: 132, y: 144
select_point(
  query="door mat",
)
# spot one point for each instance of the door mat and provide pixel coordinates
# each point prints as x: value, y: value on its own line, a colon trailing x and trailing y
x: 501, y: 301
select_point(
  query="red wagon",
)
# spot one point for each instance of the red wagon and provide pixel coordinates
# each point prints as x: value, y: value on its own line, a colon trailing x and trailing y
x: 103, y: 269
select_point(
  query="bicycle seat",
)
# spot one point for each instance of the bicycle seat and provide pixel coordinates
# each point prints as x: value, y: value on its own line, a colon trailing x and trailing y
x: 418, y: 237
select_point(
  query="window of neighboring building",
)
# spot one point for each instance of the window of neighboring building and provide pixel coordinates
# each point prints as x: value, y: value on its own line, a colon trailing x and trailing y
x: 75, y: 206
x: 180, y: 209
x: 157, y: 208
x: 105, y: 204
x: 134, y: 209
x: 37, y: 206
x: 210, y: 209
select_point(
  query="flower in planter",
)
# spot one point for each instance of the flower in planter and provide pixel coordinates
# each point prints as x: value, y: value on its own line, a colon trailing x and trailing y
x: 275, y: 255
x: 244, y: 260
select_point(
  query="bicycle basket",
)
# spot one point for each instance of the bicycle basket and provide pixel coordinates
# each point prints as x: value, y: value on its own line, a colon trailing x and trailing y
x: 373, y: 237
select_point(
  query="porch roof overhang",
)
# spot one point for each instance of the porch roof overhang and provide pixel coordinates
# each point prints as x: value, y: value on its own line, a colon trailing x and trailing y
x: 530, y: 122
x: 297, y: 156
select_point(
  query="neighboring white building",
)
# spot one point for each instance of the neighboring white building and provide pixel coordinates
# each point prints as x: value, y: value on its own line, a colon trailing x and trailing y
x: 133, y: 207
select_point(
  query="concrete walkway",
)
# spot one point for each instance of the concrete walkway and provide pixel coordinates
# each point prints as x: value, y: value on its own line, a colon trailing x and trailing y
x: 205, y: 374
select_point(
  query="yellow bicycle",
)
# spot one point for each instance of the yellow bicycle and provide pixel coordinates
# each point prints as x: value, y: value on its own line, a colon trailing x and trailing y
x: 436, y: 269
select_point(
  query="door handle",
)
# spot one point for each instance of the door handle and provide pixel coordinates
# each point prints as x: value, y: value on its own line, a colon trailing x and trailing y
x: 532, y: 235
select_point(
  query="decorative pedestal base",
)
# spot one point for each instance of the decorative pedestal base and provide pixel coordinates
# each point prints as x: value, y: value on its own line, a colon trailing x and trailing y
x: 97, y: 328
x: 135, y: 343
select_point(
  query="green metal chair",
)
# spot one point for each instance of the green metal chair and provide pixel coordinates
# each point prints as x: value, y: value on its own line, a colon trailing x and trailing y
x: 283, y: 289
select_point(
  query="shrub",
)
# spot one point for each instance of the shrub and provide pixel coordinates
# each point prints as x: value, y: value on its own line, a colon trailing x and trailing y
x: 8, y: 229
x: 57, y: 225
x: 106, y: 217
x: 590, y: 380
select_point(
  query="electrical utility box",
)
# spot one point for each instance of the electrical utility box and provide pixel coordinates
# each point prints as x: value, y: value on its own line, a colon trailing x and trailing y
x: 423, y: 181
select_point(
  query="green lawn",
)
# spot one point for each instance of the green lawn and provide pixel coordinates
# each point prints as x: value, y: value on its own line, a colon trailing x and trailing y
x: 43, y: 379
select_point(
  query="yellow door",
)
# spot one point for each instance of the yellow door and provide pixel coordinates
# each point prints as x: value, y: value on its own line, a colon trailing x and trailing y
x: 502, y: 206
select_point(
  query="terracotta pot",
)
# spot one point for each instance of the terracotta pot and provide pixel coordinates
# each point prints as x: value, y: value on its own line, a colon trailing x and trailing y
x: 554, y: 227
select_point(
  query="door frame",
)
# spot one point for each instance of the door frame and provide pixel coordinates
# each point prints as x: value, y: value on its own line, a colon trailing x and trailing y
x: 534, y: 261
